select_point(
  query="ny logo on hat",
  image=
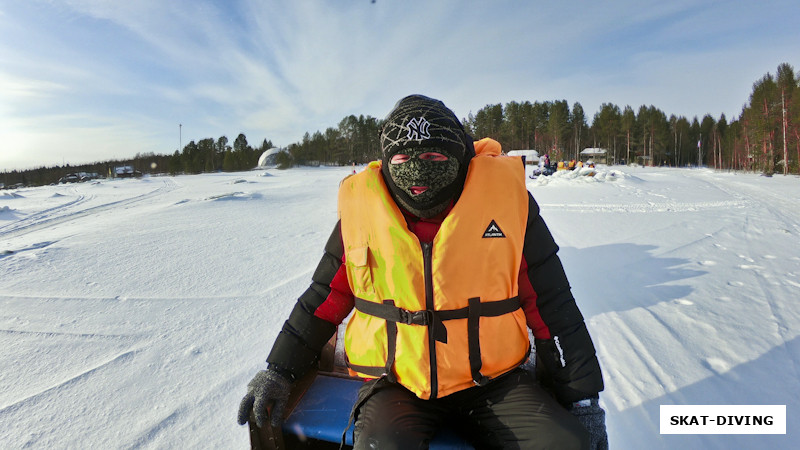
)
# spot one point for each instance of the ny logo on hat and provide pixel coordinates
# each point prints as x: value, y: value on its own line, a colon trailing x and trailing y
x: 418, y: 128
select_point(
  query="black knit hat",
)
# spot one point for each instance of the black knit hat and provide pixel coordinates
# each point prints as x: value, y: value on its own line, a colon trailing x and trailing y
x: 419, y: 121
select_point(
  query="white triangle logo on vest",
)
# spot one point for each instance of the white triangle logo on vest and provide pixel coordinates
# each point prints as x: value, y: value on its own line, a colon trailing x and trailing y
x: 493, y: 231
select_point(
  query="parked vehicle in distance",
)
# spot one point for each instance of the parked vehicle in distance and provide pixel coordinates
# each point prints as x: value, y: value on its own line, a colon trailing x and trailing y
x: 71, y: 178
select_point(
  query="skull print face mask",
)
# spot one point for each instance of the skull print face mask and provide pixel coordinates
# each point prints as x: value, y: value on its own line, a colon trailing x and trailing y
x: 425, y: 155
x: 424, y: 180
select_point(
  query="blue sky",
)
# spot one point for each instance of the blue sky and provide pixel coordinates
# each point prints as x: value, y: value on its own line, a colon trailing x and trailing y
x: 91, y: 80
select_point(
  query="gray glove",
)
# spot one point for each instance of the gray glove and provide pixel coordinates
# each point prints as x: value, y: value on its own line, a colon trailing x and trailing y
x: 593, y: 418
x: 267, y: 387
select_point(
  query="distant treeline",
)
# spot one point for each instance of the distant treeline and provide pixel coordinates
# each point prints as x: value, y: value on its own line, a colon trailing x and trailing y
x: 206, y: 155
x: 764, y: 138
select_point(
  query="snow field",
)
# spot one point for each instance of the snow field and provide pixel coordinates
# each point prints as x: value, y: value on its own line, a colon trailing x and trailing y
x: 134, y: 312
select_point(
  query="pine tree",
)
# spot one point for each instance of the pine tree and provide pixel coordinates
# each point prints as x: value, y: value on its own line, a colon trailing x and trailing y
x: 578, y: 122
x: 787, y: 86
x: 558, y: 125
x: 241, y: 153
x: 606, y: 126
x: 628, y: 121
x: 763, y: 118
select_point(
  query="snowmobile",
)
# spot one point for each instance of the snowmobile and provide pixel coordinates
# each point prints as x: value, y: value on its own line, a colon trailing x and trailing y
x: 544, y: 170
x: 319, y: 411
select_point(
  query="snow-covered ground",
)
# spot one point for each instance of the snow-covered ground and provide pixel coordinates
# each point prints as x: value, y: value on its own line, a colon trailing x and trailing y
x: 134, y: 312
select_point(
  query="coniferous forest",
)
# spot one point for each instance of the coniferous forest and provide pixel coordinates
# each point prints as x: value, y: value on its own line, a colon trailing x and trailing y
x: 765, y: 138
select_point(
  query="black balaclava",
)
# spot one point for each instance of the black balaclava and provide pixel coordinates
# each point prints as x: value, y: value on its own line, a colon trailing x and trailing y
x: 417, y: 125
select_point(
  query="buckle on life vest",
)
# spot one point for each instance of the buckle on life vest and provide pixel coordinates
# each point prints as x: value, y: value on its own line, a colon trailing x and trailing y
x: 423, y: 317
x: 481, y: 379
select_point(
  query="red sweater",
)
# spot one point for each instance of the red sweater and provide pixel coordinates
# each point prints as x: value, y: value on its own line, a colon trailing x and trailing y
x: 339, y: 302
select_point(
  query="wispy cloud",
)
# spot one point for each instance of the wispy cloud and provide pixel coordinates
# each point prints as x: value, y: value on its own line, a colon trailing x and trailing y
x: 25, y: 89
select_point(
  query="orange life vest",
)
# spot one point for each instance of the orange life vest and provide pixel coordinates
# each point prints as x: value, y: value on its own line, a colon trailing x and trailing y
x: 440, y: 317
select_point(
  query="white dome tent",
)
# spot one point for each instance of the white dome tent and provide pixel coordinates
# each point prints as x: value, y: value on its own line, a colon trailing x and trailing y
x: 267, y: 159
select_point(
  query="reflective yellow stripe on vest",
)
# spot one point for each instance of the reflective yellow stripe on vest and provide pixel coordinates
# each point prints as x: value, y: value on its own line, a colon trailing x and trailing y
x: 457, y: 296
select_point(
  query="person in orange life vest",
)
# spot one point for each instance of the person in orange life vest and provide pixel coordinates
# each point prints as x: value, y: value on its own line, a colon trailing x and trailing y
x: 441, y: 251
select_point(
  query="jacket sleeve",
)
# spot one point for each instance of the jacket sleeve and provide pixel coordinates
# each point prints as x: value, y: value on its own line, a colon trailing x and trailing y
x: 315, y: 316
x: 566, y: 361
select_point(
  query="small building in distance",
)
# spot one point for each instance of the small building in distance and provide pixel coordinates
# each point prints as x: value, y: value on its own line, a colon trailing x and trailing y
x: 598, y: 155
x: 530, y: 156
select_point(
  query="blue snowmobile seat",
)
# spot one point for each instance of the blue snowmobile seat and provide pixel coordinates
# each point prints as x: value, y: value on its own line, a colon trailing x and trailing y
x: 319, y: 409
x: 324, y: 411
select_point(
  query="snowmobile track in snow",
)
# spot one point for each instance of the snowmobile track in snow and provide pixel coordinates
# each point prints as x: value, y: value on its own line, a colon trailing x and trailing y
x: 67, y: 211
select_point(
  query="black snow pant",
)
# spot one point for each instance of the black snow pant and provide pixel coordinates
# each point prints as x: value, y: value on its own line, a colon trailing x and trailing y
x: 510, y: 412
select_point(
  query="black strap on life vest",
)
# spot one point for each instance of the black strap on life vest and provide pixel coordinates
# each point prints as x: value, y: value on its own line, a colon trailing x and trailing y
x: 473, y: 341
x: 391, y: 347
x: 434, y: 320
